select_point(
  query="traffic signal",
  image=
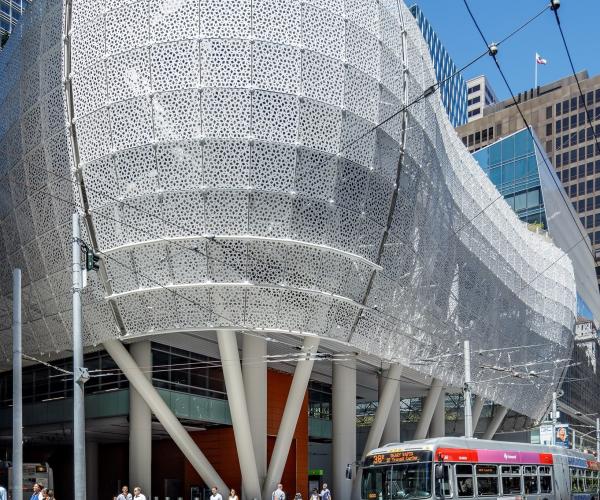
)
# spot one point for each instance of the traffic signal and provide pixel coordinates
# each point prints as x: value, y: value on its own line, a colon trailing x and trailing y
x: 91, y: 260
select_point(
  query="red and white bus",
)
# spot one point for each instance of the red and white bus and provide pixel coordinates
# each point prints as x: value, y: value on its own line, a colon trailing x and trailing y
x: 453, y: 468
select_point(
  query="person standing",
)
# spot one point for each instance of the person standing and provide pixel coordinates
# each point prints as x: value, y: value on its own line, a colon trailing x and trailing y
x: 125, y: 495
x: 325, y: 493
x: 314, y: 495
x: 37, y: 492
x: 51, y: 495
x: 3, y: 494
x: 278, y: 494
x: 137, y: 494
x: 215, y: 494
x: 233, y: 495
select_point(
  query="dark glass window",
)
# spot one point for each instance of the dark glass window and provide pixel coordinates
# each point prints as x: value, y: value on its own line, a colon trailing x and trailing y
x: 597, y: 220
x: 573, y: 121
x: 597, y: 130
x: 597, y: 113
x: 597, y: 95
x: 477, y: 137
x: 573, y: 139
x: 589, y: 186
x: 590, y: 133
x: 573, y: 103
x: 573, y: 156
x: 498, y: 129
x: 582, y: 220
x: 590, y: 168
x: 464, y: 139
x: 565, y: 158
x: 589, y: 203
x: 582, y: 135
x: 511, y: 485
x: 581, y: 102
x: 573, y: 173
x: 581, y: 119
x: 597, y: 182
x: 558, y: 108
x: 590, y: 97
x: 565, y: 175
x: 548, y: 112
x: 581, y: 170
x: 549, y: 147
x: 565, y: 123
x: 573, y: 190
x: 581, y: 154
x: 470, y: 139
x: 597, y: 241
x: 597, y: 201
x: 580, y: 206
x: 487, y: 486
x: 548, y: 129
x: 558, y: 126
x: 484, y: 134
x: 581, y: 188
x: 597, y: 167
x: 558, y: 144
x: 565, y: 106
x: 589, y: 151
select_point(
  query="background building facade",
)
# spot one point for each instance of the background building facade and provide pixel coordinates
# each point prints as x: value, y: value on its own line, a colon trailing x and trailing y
x: 556, y: 113
x: 454, y: 91
x: 479, y: 95
x: 11, y: 12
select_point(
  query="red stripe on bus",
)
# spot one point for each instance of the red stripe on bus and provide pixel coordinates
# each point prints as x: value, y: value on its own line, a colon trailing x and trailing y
x: 493, y: 456
x: 457, y: 455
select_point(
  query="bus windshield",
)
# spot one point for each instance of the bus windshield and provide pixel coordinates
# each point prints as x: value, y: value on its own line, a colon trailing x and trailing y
x: 401, y: 481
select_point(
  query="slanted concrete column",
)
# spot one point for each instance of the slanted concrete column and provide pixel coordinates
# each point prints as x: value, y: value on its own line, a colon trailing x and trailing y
x: 431, y: 401
x: 343, y: 392
x: 163, y: 413
x: 499, y: 414
x: 140, y: 423
x: 254, y: 372
x: 477, y: 409
x: 391, y: 431
x: 91, y: 470
x: 291, y: 412
x: 438, y: 421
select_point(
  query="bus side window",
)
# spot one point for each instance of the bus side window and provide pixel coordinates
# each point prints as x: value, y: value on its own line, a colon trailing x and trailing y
x: 545, y: 479
x: 487, y: 480
x: 575, y: 486
x: 464, y: 480
x: 447, y: 483
x: 511, y: 479
x: 530, y: 479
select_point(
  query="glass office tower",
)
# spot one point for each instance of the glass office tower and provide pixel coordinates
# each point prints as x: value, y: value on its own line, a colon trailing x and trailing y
x: 10, y: 13
x: 454, y: 91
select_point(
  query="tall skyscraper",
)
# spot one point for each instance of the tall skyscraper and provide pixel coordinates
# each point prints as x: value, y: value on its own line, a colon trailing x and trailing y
x: 557, y: 114
x: 480, y: 94
x: 454, y: 91
x: 10, y: 13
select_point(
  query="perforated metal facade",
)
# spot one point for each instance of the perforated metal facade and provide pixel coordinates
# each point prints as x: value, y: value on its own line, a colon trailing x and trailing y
x: 226, y: 158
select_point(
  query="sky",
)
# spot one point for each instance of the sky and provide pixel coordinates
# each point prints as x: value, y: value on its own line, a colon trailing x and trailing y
x: 580, y: 20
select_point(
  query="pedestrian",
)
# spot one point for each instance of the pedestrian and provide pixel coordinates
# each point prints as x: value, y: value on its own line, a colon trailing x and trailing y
x: 278, y: 494
x: 125, y: 495
x: 37, y: 492
x: 45, y: 493
x: 51, y: 495
x: 3, y: 494
x: 298, y: 496
x: 233, y: 495
x: 215, y: 494
x: 325, y: 493
x: 314, y: 495
x: 137, y: 494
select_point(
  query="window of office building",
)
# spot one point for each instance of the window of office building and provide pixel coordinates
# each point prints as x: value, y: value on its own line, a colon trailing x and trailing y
x: 548, y: 112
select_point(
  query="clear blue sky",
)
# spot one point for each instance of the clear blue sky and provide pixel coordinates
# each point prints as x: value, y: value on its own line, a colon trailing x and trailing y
x: 580, y: 20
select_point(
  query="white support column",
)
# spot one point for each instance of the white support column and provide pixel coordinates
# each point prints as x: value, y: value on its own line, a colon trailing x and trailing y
x: 343, y: 394
x: 236, y: 397
x: 91, y: 472
x: 140, y: 423
x: 438, y: 421
x: 254, y: 373
x: 164, y: 414
x: 429, y: 406
x: 494, y: 425
x: 477, y: 409
x: 391, y: 431
x: 291, y: 412
x: 383, y: 408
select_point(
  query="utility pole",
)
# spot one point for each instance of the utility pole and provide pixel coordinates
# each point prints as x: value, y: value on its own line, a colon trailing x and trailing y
x: 597, y: 439
x: 17, y: 424
x: 80, y: 374
x: 554, y: 418
x: 467, y: 391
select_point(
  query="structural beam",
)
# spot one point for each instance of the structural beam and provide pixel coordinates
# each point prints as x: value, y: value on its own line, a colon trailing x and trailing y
x: 254, y: 373
x: 343, y: 394
x: 164, y: 414
x: 496, y: 422
x: 429, y: 406
x: 291, y: 412
x: 477, y: 409
x: 391, y: 430
x: 438, y: 420
x: 140, y: 423
x: 236, y: 397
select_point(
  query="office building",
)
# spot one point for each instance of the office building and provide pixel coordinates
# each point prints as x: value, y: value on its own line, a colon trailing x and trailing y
x: 479, y: 95
x: 454, y: 91
x: 556, y: 113
x: 256, y: 230
x: 11, y: 12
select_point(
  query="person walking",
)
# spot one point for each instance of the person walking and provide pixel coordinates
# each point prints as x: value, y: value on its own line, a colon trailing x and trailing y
x: 314, y: 495
x: 278, y: 494
x: 51, y: 495
x: 215, y: 494
x: 37, y: 492
x: 233, y: 495
x: 3, y: 494
x: 325, y: 493
x: 125, y: 495
x: 137, y: 494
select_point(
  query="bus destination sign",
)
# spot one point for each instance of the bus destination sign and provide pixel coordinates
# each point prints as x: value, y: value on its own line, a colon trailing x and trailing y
x: 398, y: 456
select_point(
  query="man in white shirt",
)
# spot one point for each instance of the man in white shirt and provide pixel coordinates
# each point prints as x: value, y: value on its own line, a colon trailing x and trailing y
x: 215, y: 494
x: 3, y: 495
x: 325, y: 493
x: 124, y: 495
x: 137, y: 494
x: 278, y: 494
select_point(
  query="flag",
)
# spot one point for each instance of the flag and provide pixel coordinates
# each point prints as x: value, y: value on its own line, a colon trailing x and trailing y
x: 539, y: 59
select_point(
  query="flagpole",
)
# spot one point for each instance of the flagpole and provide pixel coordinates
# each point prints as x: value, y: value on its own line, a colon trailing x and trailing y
x: 536, y: 70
